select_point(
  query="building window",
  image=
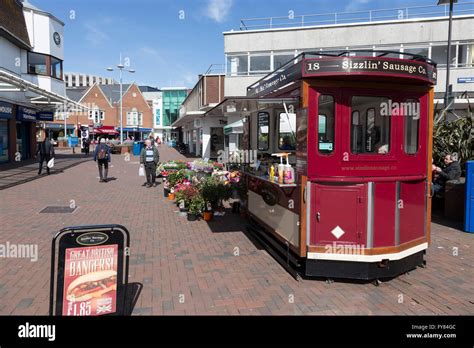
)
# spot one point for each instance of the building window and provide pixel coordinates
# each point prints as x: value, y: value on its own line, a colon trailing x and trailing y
x: 263, y: 131
x: 134, y: 118
x: 260, y: 63
x: 280, y: 59
x: 37, y: 64
x: 96, y: 115
x: 287, y: 132
x: 421, y: 51
x: 440, y: 53
x: 412, y: 126
x: 370, y: 129
x: 237, y: 65
x: 326, y: 124
x: 42, y: 64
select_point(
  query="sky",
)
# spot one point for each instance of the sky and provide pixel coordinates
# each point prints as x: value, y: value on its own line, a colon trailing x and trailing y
x: 170, y: 42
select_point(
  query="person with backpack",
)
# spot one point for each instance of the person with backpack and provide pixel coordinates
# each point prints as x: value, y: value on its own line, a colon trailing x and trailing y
x: 149, y: 158
x: 102, y: 157
x: 46, y: 152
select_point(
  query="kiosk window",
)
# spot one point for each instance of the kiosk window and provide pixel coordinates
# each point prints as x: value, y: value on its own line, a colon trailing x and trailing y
x: 287, y: 131
x: 370, y: 126
x: 263, y: 129
x: 411, y: 111
x: 326, y: 123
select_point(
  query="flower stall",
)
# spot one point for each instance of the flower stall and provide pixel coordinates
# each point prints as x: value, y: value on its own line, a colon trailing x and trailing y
x: 199, y: 188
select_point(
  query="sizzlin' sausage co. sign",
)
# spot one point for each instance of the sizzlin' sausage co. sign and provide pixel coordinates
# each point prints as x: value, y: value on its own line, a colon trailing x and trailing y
x: 92, y: 271
x: 382, y: 66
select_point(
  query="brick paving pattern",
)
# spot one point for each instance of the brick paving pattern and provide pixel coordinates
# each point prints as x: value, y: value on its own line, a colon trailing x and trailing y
x: 190, y: 267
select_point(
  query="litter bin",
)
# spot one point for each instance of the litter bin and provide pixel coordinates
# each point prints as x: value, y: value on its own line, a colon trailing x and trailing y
x: 469, y: 202
x: 137, y: 148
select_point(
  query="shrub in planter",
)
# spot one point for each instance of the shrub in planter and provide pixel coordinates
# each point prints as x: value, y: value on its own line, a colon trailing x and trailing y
x: 215, y: 191
x: 196, y: 207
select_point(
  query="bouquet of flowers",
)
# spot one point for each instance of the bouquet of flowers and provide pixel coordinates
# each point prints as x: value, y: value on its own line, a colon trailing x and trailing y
x: 201, y: 166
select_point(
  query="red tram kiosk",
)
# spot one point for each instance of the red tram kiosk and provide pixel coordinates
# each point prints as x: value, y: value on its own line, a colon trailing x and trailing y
x: 358, y: 129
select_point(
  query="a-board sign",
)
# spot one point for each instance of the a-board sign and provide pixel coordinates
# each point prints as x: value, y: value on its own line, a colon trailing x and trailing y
x: 89, y: 271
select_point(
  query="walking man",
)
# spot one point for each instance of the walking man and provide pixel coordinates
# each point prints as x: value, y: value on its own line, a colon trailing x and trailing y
x: 102, y: 157
x: 149, y: 158
x: 46, y: 152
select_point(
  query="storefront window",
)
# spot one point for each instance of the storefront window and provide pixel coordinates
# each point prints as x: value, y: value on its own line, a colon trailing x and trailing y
x: 412, y: 126
x: 370, y: 125
x: 326, y: 124
x: 37, y: 64
x: 440, y: 53
x: 260, y: 63
x: 263, y: 128
x: 3, y: 141
x: 237, y: 65
x: 286, y: 132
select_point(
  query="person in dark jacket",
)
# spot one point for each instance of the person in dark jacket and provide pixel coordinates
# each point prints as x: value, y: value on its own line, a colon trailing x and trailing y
x: 46, y: 152
x: 102, y: 157
x: 86, y: 145
x: 149, y: 158
x: 452, y: 171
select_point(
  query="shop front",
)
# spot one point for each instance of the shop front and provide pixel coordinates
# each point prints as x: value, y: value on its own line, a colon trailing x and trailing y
x: 6, y: 115
x: 25, y: 131
x: 138, y: 133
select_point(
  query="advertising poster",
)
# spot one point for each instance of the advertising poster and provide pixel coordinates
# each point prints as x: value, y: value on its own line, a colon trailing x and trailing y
x: 90, y: 280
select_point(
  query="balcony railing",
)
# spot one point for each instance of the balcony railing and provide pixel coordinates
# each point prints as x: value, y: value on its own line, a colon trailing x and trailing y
x: 390, y: 14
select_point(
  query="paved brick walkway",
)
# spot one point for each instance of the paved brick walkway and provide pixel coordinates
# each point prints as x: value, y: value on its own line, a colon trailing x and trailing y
x: 190, y: 267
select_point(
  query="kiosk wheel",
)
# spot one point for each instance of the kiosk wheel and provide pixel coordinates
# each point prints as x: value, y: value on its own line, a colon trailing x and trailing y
x: 376, y: 282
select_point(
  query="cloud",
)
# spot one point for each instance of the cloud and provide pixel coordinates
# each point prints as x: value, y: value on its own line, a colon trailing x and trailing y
x: 94, y: 35
x: 354, y: 5
x: 218, y: 10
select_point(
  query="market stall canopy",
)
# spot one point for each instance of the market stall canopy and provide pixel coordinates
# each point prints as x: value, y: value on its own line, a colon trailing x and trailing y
x: 243, y: 106
x: 234, y: 128
x: 104, y: 130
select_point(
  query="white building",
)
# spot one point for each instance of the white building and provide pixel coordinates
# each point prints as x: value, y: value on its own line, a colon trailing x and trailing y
x: 73, y: 79
x: 31, y: 75
x: 262, y: 45
x: 154, y: 96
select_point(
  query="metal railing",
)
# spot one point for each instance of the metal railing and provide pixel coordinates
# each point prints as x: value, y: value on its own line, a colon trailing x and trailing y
x: 397, y: 13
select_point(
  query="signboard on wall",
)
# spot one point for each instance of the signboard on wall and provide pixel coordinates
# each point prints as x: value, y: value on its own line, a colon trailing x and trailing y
x: 45, y: 116
x: 158, y: 117
x: 6, y: 110
x: 466, y: 79
x: 89, y: 271
x: 26, y: 114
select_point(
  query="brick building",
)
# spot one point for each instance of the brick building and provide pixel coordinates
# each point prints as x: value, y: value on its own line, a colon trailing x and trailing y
x: 103, y: 118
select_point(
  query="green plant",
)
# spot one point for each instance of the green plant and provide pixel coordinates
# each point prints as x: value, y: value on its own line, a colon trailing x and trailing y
x: 215, y: 191
x: 453, y: 137
x: 175, y: 178
x: 197, y: 204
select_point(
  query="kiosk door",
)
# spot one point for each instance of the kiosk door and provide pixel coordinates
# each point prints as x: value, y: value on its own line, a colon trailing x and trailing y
x: 338, y: 214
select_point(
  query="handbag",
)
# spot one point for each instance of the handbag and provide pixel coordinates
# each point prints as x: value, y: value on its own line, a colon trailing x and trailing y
x: 51, y: 163
x: 141, y: 171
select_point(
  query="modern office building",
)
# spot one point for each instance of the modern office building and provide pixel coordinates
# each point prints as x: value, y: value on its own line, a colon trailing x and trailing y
x: 85, y: 80
x: 154, y: 97
x: 31, y: 76
x: 263, y: 45
x: 172, y: 98
x: 203, y: 136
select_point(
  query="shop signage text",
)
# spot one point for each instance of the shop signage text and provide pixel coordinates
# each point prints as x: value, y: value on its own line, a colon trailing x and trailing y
x: 26, y: 114
x: 280, y: 79
x: 45, y: 116
x: 355, y: 65
x: 466, y: 79
x: 6, y: 110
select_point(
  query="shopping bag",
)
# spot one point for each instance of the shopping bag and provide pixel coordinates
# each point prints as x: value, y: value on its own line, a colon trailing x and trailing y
x: 141, y: 171
x: 51, y: 163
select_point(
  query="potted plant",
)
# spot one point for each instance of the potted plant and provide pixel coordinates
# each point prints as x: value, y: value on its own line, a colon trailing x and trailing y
x: 196, y: 206
x: 208, y: 212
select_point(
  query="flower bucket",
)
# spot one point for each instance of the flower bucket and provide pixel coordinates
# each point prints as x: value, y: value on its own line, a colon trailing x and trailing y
x: 171, y: 196
x: 192, y: 217
x: 208, y: 215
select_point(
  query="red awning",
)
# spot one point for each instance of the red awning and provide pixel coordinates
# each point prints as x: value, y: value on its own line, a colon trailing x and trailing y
x: 104, y: 130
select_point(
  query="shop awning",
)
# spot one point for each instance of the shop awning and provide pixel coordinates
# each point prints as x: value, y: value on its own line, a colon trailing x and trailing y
x: 57, y: 126
x: 188, y: 117
x: 104, y: 130
x: 41, y: 98
x: 234, y: 128
x: 243, y: 106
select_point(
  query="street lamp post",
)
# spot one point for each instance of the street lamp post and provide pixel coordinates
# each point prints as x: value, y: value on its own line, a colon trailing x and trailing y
x: 449, y: 88
x: 121, y: 67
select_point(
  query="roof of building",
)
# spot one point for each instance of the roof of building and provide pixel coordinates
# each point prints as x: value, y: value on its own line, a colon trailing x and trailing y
x: 12, y: 23
x: 76, y: 93
x: 112, y: 92
x: 28, y: 5
x: 148, y: 89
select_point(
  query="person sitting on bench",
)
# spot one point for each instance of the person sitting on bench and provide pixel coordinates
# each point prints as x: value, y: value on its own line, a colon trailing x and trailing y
x: 452, y: 171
